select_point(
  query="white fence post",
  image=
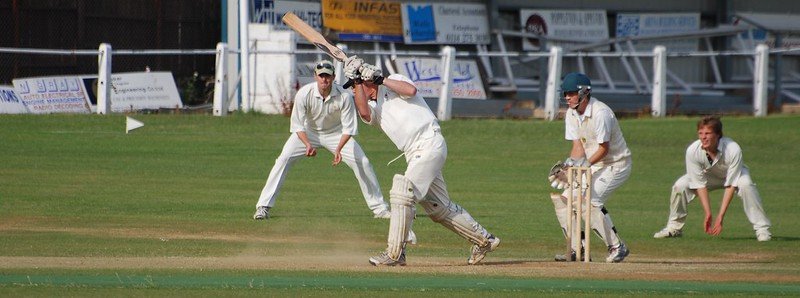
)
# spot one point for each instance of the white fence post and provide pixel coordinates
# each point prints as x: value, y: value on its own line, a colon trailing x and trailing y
x: 221, y: 81
x: 244, y: 55
x: 340, y: 79
x: 659, y: 100
x: 760, y: 80
x: 104, y: 79
x: 445, y: 99
x: 551, y: 97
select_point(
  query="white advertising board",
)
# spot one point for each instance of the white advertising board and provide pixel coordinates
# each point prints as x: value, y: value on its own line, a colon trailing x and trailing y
x: 271, y: 11
x: 443, y: 23
x: 583, y: 26
x: 59, y: 94
x: 143, y: 90
x: 648, y: 24
x: 426, y: 74
x: 10, y: 102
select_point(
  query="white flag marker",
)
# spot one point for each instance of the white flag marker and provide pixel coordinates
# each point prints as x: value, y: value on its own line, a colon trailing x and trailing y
x: 131, y: 124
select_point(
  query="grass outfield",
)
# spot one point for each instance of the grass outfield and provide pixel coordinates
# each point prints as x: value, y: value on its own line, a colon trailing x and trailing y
x: 87, y: 210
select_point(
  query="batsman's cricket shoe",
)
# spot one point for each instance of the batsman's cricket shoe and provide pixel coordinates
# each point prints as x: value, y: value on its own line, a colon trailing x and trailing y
x: 618, y: 253
x: 479, y: 252
x: 383, y: 259
x: 262, y: 212
x: 763, y: 235
x: 667, y: 233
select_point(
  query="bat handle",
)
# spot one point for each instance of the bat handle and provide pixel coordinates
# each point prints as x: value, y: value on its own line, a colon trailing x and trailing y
x: 350, y: 83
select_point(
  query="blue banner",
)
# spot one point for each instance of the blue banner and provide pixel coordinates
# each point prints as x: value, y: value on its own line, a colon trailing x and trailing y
x: 421, y: 24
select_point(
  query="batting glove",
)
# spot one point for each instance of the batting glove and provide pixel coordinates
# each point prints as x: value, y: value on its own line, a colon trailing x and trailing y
x: 371, y: 73
x: 351, y: 67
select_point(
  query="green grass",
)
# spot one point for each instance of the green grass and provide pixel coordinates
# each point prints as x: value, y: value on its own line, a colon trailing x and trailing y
x: 77, y: 186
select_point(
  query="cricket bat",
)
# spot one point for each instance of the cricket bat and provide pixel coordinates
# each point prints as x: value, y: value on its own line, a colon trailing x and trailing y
x: 308, y: 32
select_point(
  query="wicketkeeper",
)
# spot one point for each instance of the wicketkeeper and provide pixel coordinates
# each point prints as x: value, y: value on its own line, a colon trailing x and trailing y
x: 597, y: 142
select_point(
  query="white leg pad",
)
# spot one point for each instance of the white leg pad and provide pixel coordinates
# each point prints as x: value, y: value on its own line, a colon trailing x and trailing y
x: 560, y: 204
x: 401, y: 196
x: 455, y: 218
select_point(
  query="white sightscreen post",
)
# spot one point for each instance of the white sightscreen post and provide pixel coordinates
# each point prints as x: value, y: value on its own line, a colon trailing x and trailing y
x: 760, y: 80
x: 104, y: 79
x: 221, y: 81
x: 659, y: 100
x: 244, y: 54
x: 445, y: 99
x: 552, y: 96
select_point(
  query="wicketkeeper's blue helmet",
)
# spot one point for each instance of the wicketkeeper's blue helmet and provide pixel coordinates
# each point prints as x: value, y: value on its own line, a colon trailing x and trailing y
x: 575, y: 81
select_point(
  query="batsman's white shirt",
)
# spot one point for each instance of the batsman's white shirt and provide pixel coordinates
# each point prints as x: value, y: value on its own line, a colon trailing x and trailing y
x: 412, y: 127
x: 403, y: 119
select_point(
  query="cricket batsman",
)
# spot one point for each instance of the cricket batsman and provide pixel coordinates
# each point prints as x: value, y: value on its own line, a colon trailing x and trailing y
x: 392, y: 104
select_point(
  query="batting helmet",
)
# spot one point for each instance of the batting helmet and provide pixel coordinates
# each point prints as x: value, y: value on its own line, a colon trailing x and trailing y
x: 575, y: 81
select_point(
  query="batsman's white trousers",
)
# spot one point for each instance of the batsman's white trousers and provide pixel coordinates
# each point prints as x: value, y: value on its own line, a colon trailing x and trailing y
x: 352, y: 155
x: 747, y: 191
x: 425, y: 161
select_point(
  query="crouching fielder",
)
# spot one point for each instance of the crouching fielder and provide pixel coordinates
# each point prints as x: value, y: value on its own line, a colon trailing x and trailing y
x: 406, y: 119
x: 597, y: 142
x: 714, y: 162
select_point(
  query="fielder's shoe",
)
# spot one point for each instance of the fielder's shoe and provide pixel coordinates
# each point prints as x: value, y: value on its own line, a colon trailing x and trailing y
x: 667, y: 233
x: 383, y: 259
x: 262, y: 212
x: 763, y: 235
x: 617, y: 254
x: 478, y: 252
x: 385, y: 214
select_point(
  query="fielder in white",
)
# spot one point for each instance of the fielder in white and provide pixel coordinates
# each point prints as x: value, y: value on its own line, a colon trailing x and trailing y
x: 714, y: 162
x: 323, y: 115
x: 393, y: 105
x: 597, y: 142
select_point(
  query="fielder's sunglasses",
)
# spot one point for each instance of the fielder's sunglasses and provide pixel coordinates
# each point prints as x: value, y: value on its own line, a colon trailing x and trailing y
x: 325, y: 65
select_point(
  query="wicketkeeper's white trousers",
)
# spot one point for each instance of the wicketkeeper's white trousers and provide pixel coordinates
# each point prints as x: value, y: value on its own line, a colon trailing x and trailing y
x: 747, y: 191
x: 352, y: 155
x: 605, y: 180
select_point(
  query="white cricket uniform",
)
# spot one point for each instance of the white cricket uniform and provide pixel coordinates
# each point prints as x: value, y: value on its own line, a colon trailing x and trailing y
x: 413, y: 128
x: 599, y: 125
x: 727, y: 169
x: 324, y: 121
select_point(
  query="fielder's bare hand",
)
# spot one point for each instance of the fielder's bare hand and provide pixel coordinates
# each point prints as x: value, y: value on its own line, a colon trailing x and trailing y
x: 311, y: 151
x: 337, y: 158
